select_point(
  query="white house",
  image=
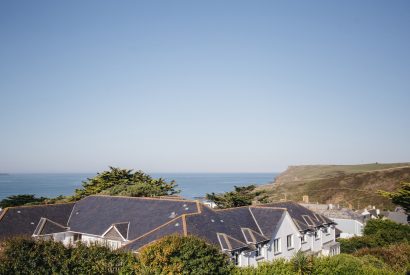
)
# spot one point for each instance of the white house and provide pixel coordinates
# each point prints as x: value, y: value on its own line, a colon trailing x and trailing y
x: 249, y: 235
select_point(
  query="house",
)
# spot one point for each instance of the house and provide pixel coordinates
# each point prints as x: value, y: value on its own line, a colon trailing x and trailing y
x: 248, y: 234
x: 349, y: 222
x: 399, y: 215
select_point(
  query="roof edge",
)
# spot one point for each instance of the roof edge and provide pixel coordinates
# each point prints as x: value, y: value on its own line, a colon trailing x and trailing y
x: 153, y: 230
x: 3, y: 213
x: 158, y: 198
x: 37, y: 205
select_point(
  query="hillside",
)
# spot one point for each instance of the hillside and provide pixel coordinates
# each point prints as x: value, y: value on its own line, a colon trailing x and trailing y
x: 343, y: 184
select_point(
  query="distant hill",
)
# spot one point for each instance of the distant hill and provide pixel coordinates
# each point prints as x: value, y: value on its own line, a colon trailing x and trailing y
x: 344, y: 184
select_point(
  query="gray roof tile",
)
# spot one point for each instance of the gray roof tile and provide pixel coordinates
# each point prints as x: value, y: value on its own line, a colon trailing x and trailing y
x: 23, y: 220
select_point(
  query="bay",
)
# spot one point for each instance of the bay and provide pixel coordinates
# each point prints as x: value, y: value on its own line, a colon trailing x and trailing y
x: 191, y: 184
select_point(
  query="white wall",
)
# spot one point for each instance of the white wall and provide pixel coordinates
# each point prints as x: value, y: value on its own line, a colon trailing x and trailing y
x: 349, y: 227
x: 286, y: 227
x: 67, y: 238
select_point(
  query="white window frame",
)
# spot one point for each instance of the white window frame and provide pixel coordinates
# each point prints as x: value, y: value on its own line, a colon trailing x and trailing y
x: 276, y: 246
x: 303, y: 238
x: 289, y: 238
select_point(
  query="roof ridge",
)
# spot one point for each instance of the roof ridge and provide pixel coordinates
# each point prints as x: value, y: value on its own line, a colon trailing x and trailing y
x: 230, y: 208
x: 268, y: 207
x: 56, y: 223
x: 256, y: 222
x: 3, y: 213
x: 234, y: 238
x: 119, y: 223
x: 36, y: 205
x: 253, y: 231
x: 153, y: 230
x: 142, y: 198
x: 40, y: 226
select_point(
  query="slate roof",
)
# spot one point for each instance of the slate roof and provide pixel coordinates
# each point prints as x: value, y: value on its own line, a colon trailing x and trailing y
x: 175, y: 226
x: 232, y: 229
x: 267, y: 218
x: 335, y: 213
x: 143, y: 220
x: 95, y: 214
x: 397, y: 217
x: 46, y: 226
x: 123, y: 228
x: 23, y: 220
x: 304, y: 218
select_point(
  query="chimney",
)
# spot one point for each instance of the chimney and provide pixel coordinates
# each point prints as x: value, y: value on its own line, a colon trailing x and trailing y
x: 305, y: 198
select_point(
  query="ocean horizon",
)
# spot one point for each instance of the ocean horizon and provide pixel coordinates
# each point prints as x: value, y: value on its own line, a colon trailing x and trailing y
x: 191, y: 184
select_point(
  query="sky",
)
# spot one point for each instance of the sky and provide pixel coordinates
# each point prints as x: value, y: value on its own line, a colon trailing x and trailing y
x: 202, y: 86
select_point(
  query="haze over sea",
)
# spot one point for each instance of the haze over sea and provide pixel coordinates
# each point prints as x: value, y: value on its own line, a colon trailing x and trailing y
x: 191, y: 184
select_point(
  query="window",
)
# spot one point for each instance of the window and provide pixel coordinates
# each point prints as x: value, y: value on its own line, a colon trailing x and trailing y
x: 317, y: 234
x: 236, y: 258
x: 303, y: 238
x: 76, y: 237
x: 326, y: 230
x: 113, y: 244
x: 276, y: 246
x: 289, y: 241
x: 259, y: 250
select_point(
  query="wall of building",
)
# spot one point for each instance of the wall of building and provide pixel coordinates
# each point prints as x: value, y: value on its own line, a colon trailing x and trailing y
x: 349, y: 227
x: 287, y: 227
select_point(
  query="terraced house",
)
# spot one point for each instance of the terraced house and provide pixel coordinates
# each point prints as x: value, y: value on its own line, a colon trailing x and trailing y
x: 248, y: 235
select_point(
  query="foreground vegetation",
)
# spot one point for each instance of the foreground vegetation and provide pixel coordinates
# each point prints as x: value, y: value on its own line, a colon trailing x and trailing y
x: 377, y: 233
x: 190, y: 255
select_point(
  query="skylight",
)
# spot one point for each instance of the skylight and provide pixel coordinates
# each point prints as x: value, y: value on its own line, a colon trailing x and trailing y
x: 308, y: 220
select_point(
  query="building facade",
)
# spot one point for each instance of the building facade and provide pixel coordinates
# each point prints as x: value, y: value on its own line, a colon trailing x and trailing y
x: 249, y: 235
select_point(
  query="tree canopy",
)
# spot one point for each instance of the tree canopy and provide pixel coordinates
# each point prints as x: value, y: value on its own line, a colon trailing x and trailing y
x: 241, y: 196
x: 17, y: 200
x: 183, y: 255
x: 400, y: 197
x: 124, y: 182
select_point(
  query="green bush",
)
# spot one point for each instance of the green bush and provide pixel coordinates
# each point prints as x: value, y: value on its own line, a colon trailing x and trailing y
x: 353, y: 244
x: 346, y: 264
x: 28, y: 256
x: 377, y: 233
x: 182, y: 255
x: 280, y: 267
x: 397, y: 257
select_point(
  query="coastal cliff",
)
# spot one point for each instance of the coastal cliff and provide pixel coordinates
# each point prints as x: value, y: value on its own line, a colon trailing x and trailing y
x: 349, y: 185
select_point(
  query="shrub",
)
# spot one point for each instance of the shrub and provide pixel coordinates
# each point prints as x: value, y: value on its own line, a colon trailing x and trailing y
x: 280, y: 267
x: 345, y: 264
x: 28, y: 256
x: 353, y: 244
x: 183, y: 255
x: 302, y: 263
x: 397, y: 232
x: 396, y: 256
x: 377, y: 233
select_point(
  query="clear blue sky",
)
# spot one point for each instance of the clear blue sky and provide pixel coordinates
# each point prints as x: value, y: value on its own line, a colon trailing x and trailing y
x: 202, y: 86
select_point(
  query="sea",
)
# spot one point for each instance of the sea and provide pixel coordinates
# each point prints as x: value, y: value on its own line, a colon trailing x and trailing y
x: 192, y: 185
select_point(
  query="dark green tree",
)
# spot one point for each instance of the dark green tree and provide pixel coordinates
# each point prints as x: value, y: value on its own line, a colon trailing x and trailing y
x: 18, y: 200
x: 241, y: 196
x: 400, y: 197
x: 124, y: 182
